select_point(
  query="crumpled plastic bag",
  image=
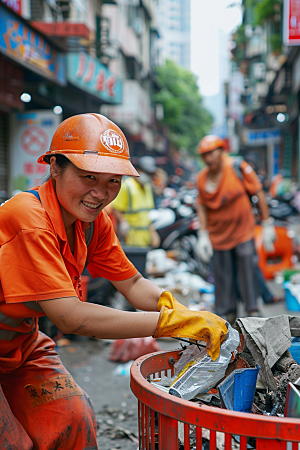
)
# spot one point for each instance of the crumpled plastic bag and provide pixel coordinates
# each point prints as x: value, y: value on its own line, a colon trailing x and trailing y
x: 202, y: 375
x: 192, y: 352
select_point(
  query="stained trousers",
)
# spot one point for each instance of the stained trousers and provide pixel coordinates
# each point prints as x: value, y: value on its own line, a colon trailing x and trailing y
x: 231, y: 267
x: 42, y: 408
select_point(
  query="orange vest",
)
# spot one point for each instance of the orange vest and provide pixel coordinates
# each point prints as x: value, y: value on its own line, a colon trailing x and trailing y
x: 230, y: 220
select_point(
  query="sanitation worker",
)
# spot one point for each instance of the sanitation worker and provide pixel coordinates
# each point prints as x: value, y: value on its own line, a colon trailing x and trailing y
x: 132, y: 206
x: 227, y: 226
x: 47, y: 237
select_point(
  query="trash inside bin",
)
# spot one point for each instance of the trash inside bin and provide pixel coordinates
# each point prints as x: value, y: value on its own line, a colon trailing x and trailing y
x: 238, y: 389
x: 295, y: 348
x: 203, y: 374
x: 292, y: 406
x: 164, y: 419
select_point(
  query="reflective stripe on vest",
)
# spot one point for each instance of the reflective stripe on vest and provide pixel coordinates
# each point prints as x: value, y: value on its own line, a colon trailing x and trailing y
x: 9, y: 335
x: 14, y: 323
x: 137, y: 213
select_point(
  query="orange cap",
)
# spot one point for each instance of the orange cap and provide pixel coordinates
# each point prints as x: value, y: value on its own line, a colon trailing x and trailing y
x: 210, y: 142
x: 93, y: 143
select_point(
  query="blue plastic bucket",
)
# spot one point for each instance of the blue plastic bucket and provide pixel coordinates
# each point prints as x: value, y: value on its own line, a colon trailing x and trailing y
x: 238, y: 389
x: 292, y: 303
x: 295, y: 349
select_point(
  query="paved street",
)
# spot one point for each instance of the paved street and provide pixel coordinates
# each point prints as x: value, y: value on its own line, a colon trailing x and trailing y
x: 115, y: 405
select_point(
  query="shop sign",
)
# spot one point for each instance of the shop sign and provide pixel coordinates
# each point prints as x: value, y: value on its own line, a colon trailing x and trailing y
x: 91, y: 76
x: 31, y: 134
x: 291, y: 22
x: 63, y: 29
x: 257, y: 138
x: 29, y: 48
x: 15, y: 5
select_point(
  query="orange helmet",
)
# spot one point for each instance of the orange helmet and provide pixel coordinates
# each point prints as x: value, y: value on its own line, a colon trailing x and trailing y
x: 210, y: 142
x: 93, y: 143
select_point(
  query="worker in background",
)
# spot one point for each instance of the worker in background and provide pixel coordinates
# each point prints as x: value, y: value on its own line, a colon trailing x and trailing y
x: 48, y: 235
x: 227, y: 226
x: 132, y: 205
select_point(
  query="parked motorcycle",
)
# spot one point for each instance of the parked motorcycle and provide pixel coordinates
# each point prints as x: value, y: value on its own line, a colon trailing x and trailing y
x: 177, y: 224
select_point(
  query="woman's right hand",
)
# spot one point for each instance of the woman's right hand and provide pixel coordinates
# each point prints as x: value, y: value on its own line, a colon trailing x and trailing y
x: 199, y: 326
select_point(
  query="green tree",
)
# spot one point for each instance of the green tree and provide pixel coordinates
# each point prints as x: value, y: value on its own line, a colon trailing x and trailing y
x: 187, y: 120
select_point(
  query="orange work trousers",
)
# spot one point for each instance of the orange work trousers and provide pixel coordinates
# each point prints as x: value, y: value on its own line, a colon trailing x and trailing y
x: 41, y: 406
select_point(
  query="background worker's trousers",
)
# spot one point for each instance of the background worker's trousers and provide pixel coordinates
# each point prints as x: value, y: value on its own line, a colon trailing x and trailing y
x: 235, y: 270
x: 42, y: 408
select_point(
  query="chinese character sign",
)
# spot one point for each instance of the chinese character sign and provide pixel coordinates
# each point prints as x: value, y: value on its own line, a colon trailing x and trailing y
x: 291, y: 22
x: 29, y: 48
x: 31, y: 137
x: 91, y: 76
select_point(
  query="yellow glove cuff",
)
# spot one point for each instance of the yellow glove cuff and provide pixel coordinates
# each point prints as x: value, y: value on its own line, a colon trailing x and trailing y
x: 169, y: 301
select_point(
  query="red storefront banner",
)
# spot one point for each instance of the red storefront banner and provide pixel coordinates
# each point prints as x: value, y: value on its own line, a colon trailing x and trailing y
x: 291, y: 22
x: 62, y: 29
x: 15, y: 5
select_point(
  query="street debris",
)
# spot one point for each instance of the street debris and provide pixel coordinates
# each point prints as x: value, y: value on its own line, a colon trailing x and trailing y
x: 122, y: 369
x: 63, y: 342
x: 108, y: 420
x: 167, y: 271
x: 124, y: 350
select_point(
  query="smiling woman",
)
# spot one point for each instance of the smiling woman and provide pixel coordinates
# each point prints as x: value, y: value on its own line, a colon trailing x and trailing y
x: 43, y: 253
x: 81, y: 194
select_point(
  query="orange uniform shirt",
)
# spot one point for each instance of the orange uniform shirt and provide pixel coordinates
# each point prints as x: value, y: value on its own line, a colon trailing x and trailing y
x: 230, y: 220
x: 36, y: 264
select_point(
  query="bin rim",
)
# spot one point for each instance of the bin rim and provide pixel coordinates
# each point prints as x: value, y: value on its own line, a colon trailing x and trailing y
x: 232, y: 422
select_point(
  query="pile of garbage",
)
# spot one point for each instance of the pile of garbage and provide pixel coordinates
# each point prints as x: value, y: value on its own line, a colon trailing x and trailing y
x: 253, y: 373
x: 167, y: 272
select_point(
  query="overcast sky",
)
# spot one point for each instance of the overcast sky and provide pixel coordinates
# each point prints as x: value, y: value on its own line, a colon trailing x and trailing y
x: 207, y: 53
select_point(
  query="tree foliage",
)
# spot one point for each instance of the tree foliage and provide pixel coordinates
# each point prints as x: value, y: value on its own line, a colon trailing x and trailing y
x: 266, y: 9
x: 187, y: 120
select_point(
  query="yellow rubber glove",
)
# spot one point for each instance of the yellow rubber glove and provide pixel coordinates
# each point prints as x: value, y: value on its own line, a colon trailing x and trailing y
x: 169, y: 301
x: 201, y: 326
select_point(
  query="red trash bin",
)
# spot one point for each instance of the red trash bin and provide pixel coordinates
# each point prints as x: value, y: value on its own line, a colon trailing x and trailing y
x: 280, y: 258
x: 156, y: 407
